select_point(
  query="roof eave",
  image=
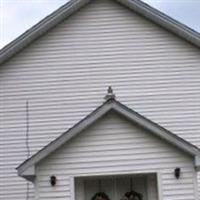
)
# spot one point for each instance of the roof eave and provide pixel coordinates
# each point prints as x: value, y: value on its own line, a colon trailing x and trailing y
x: 158, y: 130
x: 79, y: 127
x: 29, y: 173
x: 197, y: 162
x: 164, y: 21
x: 27, y: 168
x: 40, y: 28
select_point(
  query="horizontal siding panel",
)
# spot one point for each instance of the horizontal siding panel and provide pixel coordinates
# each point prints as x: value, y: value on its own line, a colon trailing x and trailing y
x: 116, y: 158
x: 104, y: 167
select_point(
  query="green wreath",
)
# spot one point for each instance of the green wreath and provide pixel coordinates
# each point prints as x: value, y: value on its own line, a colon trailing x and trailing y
x: 100, y: 196
x: 132, y: 195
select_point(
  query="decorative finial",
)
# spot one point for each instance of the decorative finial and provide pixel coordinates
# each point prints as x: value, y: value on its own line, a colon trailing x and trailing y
x: 110, y: 94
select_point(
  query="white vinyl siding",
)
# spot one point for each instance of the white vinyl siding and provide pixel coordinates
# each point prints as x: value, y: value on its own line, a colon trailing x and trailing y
x: 64, y: 76
x: 115, y: 146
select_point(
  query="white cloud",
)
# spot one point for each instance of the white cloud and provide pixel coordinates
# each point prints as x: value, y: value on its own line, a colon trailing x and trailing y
x: 185, y: 11
x: 156, y: 3
x: 16, y: 16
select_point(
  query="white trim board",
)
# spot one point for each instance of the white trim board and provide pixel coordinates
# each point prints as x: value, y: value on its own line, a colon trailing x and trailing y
x: 114, y: 175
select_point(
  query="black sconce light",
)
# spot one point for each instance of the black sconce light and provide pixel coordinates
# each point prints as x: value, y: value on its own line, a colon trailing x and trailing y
x: 53, y: 180
x: 177, y: 172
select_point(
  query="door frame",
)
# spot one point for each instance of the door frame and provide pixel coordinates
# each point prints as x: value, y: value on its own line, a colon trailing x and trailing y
x: 157, y: 173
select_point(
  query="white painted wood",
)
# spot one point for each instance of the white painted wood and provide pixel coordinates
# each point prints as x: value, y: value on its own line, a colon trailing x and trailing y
x: 79, y: 189
x: 152, y: 185
x: 64, y: 76
x: 159, y: 185
x: 36, y: 193
x: 196, y: 186
x: 72, y: 188
x: 94, y: 161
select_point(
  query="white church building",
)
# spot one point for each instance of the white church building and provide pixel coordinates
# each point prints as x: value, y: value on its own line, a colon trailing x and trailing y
x: 101, y: 101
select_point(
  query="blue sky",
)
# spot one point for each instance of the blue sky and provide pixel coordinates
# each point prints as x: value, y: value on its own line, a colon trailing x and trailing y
x: 16, y: 16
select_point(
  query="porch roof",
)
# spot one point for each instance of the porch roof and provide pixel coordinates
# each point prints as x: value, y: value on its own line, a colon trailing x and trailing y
x: 27, y: 168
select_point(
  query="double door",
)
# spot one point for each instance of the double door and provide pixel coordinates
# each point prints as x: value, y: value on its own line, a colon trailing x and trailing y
x: 115, y: 188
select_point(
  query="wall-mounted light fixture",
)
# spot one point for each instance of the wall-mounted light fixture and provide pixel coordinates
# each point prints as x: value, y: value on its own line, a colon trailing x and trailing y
x: 177, y: 172
x: 53, y: 180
